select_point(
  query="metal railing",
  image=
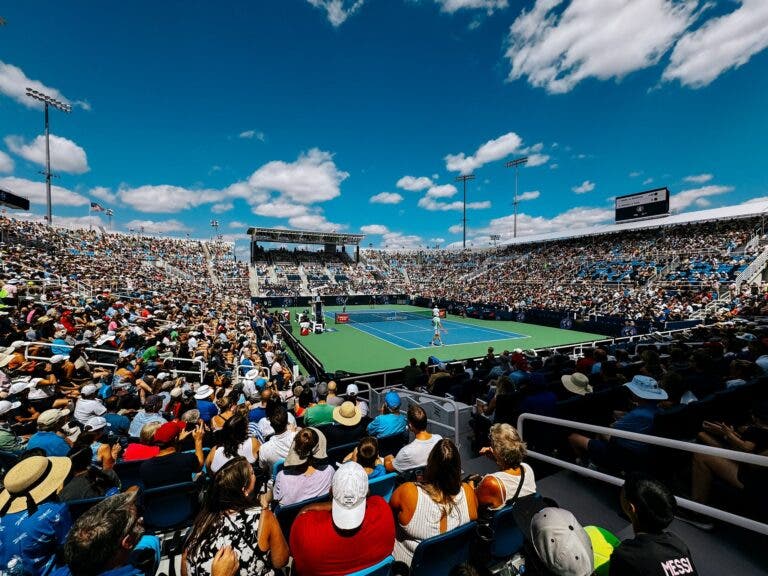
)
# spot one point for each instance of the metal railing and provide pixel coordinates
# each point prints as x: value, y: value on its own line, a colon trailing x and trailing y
x: 756, y: 267
x: 743, y: 457
x: 200, y: 371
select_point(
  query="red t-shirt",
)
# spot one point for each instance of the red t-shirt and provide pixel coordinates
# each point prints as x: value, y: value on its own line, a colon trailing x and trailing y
x: 138, y: 451
x: 318, y: 549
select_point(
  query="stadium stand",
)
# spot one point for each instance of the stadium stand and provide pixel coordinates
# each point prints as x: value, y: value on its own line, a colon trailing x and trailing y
x: 161, y: 326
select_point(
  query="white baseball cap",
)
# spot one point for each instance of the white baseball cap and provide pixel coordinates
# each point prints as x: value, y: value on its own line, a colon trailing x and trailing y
x: 7, y: 406
x: 561, y: 543
x: 350, y: 489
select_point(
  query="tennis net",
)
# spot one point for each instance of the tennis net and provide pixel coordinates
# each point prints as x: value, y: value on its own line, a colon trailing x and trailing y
x: 355, y: 317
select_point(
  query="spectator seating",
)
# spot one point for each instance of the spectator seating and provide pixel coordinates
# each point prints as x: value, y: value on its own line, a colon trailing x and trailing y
x: 170, y: 508
x: 437, y: 555
x: 78, y: 507
x: 383, y: 568
x: 383, y: 486
x: 287, y: 514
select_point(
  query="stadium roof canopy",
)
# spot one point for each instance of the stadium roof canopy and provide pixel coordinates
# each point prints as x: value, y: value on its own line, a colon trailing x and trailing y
x: 302, y: 236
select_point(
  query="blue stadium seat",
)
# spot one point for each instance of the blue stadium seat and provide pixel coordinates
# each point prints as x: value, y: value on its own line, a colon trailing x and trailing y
x: 391, y: 444
x: 337, y: 453
x: 79, y: 507
x: 507, y: 537
x: 128, y: 472
x: 276, y: 467
x: 383, y: 485
x: 383, y: 568
x: 437, y: 555
x: 172, y: 507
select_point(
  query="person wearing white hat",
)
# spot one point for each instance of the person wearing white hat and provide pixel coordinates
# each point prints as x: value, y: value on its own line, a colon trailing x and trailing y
x: 88, y: 405
x: 49, y: 436
x: 617, y: 452
x: 324, y: 535
x: 9, y: 442
x: 32, y: 522
x: 352, y: 396
x: 208, y: 409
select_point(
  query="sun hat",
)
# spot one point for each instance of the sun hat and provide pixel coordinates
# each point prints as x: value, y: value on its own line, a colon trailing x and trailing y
x: 19, y: 387
x: 347, y: 414
x: 392, y: 399
x: 350, y: 489
x: 252, y: 374
x: 203, y: 392
x: 168, y: 432
x: 561, y: 543
x: 7, y: 406
x: 352, y: 389
x: 95, y: 423
x: 31, y: 481
x: 176, y: 392
x: 577, y: 383
x: 646, y: 387
x: 317, y: 451
x: 50, y: 417
x: 56, y: 358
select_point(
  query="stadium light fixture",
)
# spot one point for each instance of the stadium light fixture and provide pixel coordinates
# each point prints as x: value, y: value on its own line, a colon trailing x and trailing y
x: 464, y: 178
x: 516, y: 163
x: 64, y: 107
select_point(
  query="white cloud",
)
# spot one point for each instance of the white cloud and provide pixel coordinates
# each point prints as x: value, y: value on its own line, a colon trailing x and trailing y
x: 451, y: 6
x: 414, y: 184
x: 6, y: 163
x: 338, y: 10
x: 647, y: 181
x: 432, y: 205
x: 443, y: 191
x: 490, y: 151
x: 386, y: 198
x: 537, y: 160
x: 635, y: 174
x: 729, y: 41
x: 82, y: 104
x: 698, y: 178
x: 684, y: 199
x: 573, y: 219
x: 158, y: 226
x: 165, y: 198
x: 702, y: 203
x: 14, y: 83
x: 221, y: 207
x: 66, y: 156
x: 70, y: 222
x: 35, y: 191
x: 374, y: 229
x: 456, y: 229
x: 237, y: 224
x: 399, y: 240
x: 103, y: 193
x: 315, y: 222
x: 554, y: 166
x: 280, y: 209
x: 584, y: 187
x: 312, y: 178
x: 557, y: 49
x: 532, y: 195
x: 437, y: 240
x: 251, y: 134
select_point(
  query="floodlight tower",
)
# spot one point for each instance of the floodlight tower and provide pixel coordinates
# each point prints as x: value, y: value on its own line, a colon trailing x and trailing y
x: 516, y: 163
x: 464, y: 178
x: 48, y: 101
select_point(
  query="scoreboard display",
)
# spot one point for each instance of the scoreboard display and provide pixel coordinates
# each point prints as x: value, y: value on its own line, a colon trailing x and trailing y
x: 650, y: 204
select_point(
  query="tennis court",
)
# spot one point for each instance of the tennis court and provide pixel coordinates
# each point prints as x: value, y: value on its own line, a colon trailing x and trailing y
x: 384, y: 345
x: 414, y: 330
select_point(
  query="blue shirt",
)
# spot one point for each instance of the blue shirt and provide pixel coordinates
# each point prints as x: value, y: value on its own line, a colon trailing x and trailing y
x: 35, y: 538
x: 387, y: 425
x: 256, y: 414
x: 207, y: 410
x: 639, y: 420
x: 50, y: 442
x: 141, y: 419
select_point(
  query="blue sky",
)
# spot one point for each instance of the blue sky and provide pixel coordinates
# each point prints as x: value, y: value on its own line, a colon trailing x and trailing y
x: 358, y: 115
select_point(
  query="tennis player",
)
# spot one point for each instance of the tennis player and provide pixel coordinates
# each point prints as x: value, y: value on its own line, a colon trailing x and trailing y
x: 437, y: 337
x: 436, y: 311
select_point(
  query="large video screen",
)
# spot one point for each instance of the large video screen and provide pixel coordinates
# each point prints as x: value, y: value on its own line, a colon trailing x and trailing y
x: 650, y: 204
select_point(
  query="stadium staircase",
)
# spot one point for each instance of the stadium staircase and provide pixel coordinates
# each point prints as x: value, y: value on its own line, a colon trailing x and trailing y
x: 216, y: 281
x: 754, y: 270
x: 253, y: 280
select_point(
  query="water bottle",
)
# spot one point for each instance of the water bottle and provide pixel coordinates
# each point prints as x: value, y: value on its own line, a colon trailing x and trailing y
x: 15, y: 567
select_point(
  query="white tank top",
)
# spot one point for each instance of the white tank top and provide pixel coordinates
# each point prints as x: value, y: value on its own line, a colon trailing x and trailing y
x: 245, y: 450
x: 509, y: 483
x: 426, y: 522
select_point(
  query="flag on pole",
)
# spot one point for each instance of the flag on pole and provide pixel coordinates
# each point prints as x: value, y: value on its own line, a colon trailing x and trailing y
x: 96, y: 207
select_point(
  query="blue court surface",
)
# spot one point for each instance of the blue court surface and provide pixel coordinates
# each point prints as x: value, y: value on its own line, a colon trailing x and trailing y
x: 414, y: 333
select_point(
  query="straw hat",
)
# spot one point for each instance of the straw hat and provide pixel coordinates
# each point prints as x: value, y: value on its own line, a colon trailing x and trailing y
x: 347, y: 414
x: 31, y: 481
